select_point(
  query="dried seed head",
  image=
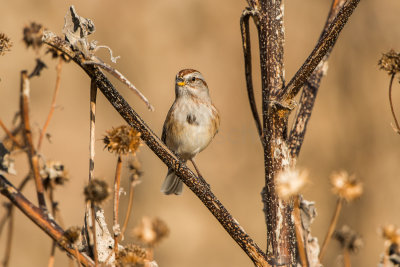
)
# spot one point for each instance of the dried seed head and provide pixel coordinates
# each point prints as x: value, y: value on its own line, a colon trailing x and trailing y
x: 122, y: 140
x: 33, y: 35
x: 133, y: 256
x: 390, y: 62
x: 349, y: 239
x: 151, y: 231
x: 72, y: 234
x: 345, y: 186
x: 97, y: 191
x: 5, y: 44
x: 53, y: 173
x: 289, y: 182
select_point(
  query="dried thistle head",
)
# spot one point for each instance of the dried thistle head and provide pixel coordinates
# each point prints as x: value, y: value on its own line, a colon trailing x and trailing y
x: 345, y: 186
x: 72, y: 234
x: 96, y: 191
x: 349, y: 239
x: 390, y: 62
x: 53, y: 173
x: 33, y: 34
x: 289, y: 182
x: 151, y: 231
x: 132, y: 256
x: 5, y: 44
x: 122, y: 140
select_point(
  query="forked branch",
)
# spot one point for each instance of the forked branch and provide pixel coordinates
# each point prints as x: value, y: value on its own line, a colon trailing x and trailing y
x: 41, y: 219
x: 310, y: 90
x: 322, y: 48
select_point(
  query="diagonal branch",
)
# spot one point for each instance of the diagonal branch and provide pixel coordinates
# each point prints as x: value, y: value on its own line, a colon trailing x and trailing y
x: 245, y: 31
x: 41, y: 219
x: 198, y: 187
x: 310, y: 90
x: 322, y: 48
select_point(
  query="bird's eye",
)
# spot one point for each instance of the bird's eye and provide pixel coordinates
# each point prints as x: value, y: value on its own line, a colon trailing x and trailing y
x: 193, y: 79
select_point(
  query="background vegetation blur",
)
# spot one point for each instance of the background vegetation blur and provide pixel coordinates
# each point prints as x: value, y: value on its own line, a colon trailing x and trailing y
x: 350, y: 127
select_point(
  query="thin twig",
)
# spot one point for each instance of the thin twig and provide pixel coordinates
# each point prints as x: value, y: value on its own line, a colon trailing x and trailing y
x: 117, y: 185
x: 53, y: 103
x: 299, y: 231
x: 331, y: 228
x: 391, y: 104
x: 122, y: 78
x: 92, y: 135
x: 346, y: 257
x: 10, y: 135
x: 201, y: 190
x: 93, y: 96
x: 40, y: 218
x: 245, y: 31
x: 32, y: 155
x: 323, y: 46
x: 129, y: 208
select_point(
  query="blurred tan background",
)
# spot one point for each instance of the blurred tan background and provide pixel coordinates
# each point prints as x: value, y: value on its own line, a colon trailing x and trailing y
x: 350, y: 127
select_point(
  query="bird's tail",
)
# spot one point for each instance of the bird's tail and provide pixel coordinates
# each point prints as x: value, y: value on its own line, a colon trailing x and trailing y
x: 172, y: 184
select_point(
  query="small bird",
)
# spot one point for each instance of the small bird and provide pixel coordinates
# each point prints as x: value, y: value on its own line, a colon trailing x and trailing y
x: 190, y: 125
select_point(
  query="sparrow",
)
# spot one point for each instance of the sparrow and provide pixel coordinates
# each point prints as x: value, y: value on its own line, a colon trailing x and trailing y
x: 190, y: 125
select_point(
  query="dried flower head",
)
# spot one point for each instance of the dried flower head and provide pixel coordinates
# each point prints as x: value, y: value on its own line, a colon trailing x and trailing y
x: 349, y: 239
x: 122, y: 140
x: 345, y: 186
x: 290, y: 181
x: 5, y: 44
x: 57, y: 54
x: 96, y: 191
x: 72, y: 234
x: 151, y: 231
x: 133, y: 256
x: 53, y: 173
x: 390, y: 62
x: 33, y: 34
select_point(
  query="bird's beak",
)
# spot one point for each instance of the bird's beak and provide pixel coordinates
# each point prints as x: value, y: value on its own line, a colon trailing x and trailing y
x: 180, y: 83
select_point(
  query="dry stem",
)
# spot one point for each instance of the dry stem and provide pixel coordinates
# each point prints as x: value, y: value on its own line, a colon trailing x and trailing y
x: 245, y: 31
x: 391, y: 104
x: 346, y: 257
x: 299, y: 231
x: 32, y: 155
x: 117, y: 184
x: 53, y: 103
x: 129, y: 208
x: 331, y: 228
